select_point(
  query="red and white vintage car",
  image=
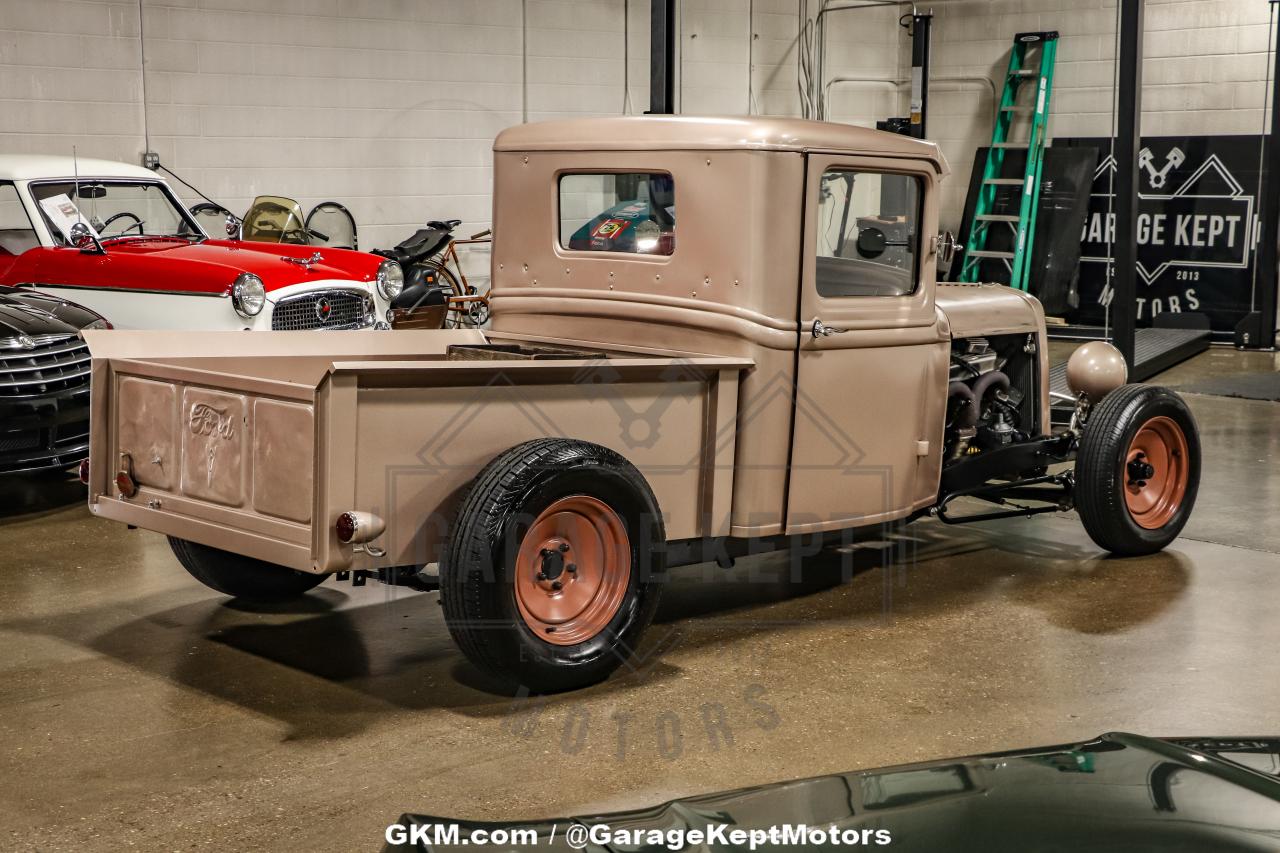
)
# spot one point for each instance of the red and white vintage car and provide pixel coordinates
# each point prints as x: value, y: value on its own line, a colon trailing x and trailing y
x: 115, y: 238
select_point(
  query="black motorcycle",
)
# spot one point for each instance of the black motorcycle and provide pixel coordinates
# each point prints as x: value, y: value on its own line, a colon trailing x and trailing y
x: 426, y: 257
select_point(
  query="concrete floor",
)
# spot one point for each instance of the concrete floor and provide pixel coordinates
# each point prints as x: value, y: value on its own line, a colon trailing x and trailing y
x: 138, y: 708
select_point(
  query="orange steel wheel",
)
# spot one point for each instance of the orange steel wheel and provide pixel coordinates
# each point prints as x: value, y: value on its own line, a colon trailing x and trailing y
x: 1157, y: 470
x: 573, y: 568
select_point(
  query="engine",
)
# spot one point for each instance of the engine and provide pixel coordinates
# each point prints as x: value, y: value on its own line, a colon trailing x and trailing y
x: 989, y: 399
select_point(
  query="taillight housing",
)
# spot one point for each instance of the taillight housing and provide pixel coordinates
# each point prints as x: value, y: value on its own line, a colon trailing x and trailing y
x: 356, y: 528
x: 84, y: 471
x: 124, y: 477
x: 346, y: 527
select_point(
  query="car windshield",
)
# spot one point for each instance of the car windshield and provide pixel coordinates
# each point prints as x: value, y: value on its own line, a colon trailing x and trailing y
x: 113, y: 209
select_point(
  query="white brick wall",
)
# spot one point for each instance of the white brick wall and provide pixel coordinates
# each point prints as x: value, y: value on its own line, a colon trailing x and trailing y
x: 390, y: 106
x: 1203, y: 72
x: 70, y: 74
x: 865, y: 49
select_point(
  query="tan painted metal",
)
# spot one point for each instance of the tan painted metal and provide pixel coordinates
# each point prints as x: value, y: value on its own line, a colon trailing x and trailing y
x: 867, y: 395
x: 710, y: 133
x: 228, y: 458
x: 1095, y: 370
x: 698, y: 366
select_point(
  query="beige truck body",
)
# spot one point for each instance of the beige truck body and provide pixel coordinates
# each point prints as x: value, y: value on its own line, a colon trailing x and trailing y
x: 699, y: 367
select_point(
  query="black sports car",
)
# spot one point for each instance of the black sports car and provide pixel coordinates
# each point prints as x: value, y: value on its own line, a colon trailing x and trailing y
x: 1118, y: 792
x: 44, y: 381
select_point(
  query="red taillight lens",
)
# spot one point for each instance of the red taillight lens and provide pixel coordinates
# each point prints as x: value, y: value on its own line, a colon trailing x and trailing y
x: 128, y: 488
x: 346, y: 527
x: 84, y: 472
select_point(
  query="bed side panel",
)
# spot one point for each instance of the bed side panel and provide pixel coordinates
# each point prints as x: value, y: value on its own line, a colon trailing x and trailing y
x: 420, y: 448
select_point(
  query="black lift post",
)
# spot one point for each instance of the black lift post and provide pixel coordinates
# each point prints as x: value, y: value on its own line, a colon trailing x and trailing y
x: 1257, y: 330
x: 920, y: 25
x: 662, y: 56
x: 1124, y: 302
x: 1172, y: 337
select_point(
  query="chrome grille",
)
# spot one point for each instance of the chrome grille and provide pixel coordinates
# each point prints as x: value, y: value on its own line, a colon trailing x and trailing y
x: 57, y: 363
x: 347, y: 310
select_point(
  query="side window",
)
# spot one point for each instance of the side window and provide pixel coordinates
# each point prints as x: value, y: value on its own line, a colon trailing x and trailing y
x: 867, y: 234
x: 16, y: 233
x: 618, y: 212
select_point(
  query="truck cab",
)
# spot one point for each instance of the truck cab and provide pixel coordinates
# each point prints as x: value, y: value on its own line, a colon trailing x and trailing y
x: 776, y: 229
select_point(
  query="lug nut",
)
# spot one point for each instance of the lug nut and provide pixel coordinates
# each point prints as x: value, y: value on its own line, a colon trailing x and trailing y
x: 564, y: 546
x: 556, y: 585
x: 572, y: 568
x: 542, y: 576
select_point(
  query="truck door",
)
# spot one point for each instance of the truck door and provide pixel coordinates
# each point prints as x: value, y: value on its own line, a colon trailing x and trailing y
x: 872, y: 365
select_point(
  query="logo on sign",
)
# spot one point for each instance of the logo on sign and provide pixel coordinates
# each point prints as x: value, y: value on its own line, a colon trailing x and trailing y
x: 208, y: 420
x: 1206, y: 221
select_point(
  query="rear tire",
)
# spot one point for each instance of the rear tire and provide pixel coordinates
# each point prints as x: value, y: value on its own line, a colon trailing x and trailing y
x: 554, y: 566
x: 240, y: 576
x: 1138, y: 470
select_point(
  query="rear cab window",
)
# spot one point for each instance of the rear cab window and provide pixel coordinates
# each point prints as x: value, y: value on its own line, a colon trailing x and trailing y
x: 632, y: 212
x: 868, y: 224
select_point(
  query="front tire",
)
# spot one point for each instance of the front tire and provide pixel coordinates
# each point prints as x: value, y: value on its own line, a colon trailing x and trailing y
x: 554, y: 566
x: 240, y: 576
x: 1138, y: 470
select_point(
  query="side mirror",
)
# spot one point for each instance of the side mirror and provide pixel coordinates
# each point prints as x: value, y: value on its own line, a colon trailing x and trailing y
x: 946, y: 247
x: 871, y: 242
x: 82, y: 238
x: 235, y: 227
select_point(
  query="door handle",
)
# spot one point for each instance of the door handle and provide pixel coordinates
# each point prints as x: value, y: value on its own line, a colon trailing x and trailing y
x: 821, y: 330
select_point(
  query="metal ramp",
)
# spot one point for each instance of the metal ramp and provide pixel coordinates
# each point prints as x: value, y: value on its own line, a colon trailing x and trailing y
x: 1155, y: 350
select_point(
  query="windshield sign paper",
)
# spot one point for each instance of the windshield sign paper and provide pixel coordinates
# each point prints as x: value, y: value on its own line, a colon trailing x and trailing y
x: 63, y: 213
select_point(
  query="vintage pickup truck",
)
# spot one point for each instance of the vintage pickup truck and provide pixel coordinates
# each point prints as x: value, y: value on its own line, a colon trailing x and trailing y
x: 776, y: 364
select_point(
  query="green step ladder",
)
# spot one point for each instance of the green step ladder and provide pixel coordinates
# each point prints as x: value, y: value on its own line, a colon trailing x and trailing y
x: 976, y: 245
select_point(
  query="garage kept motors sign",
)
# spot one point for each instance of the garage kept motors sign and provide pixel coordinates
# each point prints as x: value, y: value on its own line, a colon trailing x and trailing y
x: 1196, y: 229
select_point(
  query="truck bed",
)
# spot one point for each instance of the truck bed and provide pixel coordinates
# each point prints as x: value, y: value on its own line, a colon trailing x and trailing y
x: 255, y: 443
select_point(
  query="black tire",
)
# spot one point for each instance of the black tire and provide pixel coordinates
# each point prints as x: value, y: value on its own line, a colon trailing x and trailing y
x: 1102, y: 475
x: 239, y: 576
x: 477, y: 570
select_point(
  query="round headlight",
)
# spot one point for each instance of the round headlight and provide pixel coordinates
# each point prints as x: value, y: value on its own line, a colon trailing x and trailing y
x: 248, y: 295
x: 390, y: 279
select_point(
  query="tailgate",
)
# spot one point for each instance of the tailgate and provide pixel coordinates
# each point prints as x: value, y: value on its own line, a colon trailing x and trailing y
x: 219, y: 430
